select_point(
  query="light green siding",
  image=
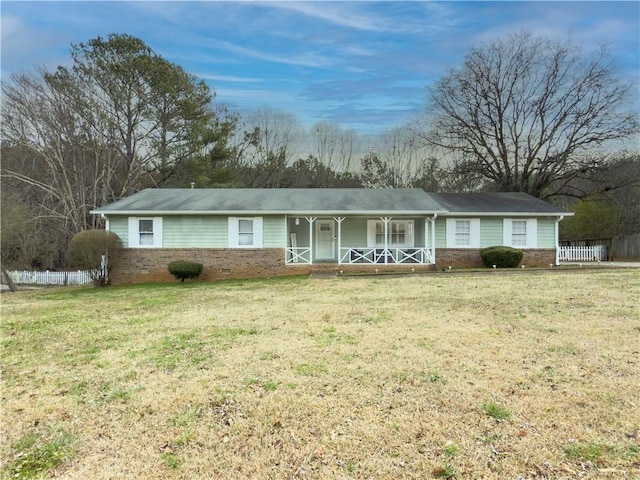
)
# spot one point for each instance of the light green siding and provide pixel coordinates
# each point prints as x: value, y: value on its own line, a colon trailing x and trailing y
x: 546, y: 233
x: 491, y: 232
x: 273, y: 232
x: 418, y: 233
x: 301, y: 231
x: 194, y: 231
x: 120, y: 226
x: 354, y: 233
x: 211, y: 231
x: 441, y: 232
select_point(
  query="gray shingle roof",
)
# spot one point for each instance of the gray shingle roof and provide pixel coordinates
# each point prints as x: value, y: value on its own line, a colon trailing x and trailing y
x: 271, y: 200
x: 318, y: 201
x: 495, y: 203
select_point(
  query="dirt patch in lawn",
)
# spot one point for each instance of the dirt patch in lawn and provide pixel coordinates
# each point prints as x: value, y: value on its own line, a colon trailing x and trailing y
x: 465, y: 376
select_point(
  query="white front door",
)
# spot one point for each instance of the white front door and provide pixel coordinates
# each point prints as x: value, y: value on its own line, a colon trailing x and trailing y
x: 325, y: 240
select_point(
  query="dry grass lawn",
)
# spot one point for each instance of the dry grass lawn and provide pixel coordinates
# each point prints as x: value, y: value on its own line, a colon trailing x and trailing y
x: 523, y: 375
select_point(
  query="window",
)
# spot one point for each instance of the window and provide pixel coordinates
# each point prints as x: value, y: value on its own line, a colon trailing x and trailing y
x: 520, y: 233
x: 399, y: 233
x: 245, y: 232
x: 145, y: 232
x: 463, y: 233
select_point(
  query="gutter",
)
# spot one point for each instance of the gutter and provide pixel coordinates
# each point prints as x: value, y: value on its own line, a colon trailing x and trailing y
x: 264, y: 212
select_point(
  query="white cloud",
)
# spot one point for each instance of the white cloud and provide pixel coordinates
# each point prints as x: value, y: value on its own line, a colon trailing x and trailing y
x: 307, y: 59
x: 227, y: 78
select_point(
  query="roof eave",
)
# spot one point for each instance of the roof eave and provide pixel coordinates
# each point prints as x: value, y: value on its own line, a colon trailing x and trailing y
x: 507, y: 214
x: 266, y: 212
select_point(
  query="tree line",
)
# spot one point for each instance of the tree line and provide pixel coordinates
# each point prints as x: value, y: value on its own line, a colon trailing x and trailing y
x: 522, y: 113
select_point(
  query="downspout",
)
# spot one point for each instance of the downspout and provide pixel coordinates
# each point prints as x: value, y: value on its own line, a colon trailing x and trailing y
x: 560, y: 218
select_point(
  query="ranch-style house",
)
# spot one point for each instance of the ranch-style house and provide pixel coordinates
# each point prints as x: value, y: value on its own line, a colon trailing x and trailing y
x: 241, y: 233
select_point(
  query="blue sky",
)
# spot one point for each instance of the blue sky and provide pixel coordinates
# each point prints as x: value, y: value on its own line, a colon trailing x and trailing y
x: 362, y: 65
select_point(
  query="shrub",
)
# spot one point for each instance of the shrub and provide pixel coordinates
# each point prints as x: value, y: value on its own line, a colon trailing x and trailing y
x: 183, y: 270
x: 501, y: 257
x: 92, y: 250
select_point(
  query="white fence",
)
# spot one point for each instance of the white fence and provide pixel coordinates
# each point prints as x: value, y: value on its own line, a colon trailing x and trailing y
x: 594, y: 253
x: 50, y: 278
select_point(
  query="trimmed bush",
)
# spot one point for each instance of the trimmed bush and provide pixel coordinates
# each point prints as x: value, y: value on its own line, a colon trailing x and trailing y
x: 184, y: 270
x: 501, y: 257
x: 90, y: 250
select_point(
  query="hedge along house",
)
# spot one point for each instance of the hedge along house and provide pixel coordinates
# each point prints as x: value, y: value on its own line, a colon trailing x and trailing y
x: 242, y: 233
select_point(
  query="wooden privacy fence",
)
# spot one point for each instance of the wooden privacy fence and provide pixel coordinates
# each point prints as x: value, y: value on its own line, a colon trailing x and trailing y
x: 594, y: 253
x: 625, y: 248
x: 25, y: 277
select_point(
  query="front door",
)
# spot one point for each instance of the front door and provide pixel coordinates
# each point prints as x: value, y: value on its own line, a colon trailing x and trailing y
x: 325, y: 240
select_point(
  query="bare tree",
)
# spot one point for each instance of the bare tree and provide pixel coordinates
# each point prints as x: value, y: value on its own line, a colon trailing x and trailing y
x: 266, y: 147
x: 332, y: 146
x: 55, y: 157
x: 401, y: 160
x: 523, y: 111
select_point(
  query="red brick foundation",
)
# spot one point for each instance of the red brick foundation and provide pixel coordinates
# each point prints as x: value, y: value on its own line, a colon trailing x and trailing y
x: 470, y: 258
x: 138, y: 265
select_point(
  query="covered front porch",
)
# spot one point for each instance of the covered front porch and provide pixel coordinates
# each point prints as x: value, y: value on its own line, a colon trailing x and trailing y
x: 349, y: 240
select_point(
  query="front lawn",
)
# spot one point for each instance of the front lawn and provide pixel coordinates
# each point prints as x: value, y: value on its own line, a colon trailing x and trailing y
x: 493, y: 376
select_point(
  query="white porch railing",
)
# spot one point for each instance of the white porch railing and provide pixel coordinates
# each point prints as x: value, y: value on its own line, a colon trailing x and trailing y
x: 379, y: 256
x: 24, y: 277
x: 594, y: 253
x: 386, y: 256
x: 298, y: 255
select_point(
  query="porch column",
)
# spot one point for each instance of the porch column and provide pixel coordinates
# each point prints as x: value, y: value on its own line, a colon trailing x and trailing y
x: 339, y: 220
x: 433, y: 238
x: 386, y: 221
x: 426, y: 238
x: 311, y: 220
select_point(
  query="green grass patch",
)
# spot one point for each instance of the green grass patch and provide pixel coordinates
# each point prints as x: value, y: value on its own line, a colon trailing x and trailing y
x: 35, y: 456
x: 600, y: 452
x: 171, y: 460
x: 311, y: 369
x: 446, y: 471
x: 496, y: 411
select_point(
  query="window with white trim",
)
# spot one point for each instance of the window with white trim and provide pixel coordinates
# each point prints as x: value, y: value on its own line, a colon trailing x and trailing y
x: 245, y: 232
x: 399, y: 233
x: 145, y: 232
x: 463, y: 233
x: 520, y: 232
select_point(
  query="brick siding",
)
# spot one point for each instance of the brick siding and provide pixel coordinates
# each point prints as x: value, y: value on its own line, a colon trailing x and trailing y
x: 138, y: 265
x: 470, y: 258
